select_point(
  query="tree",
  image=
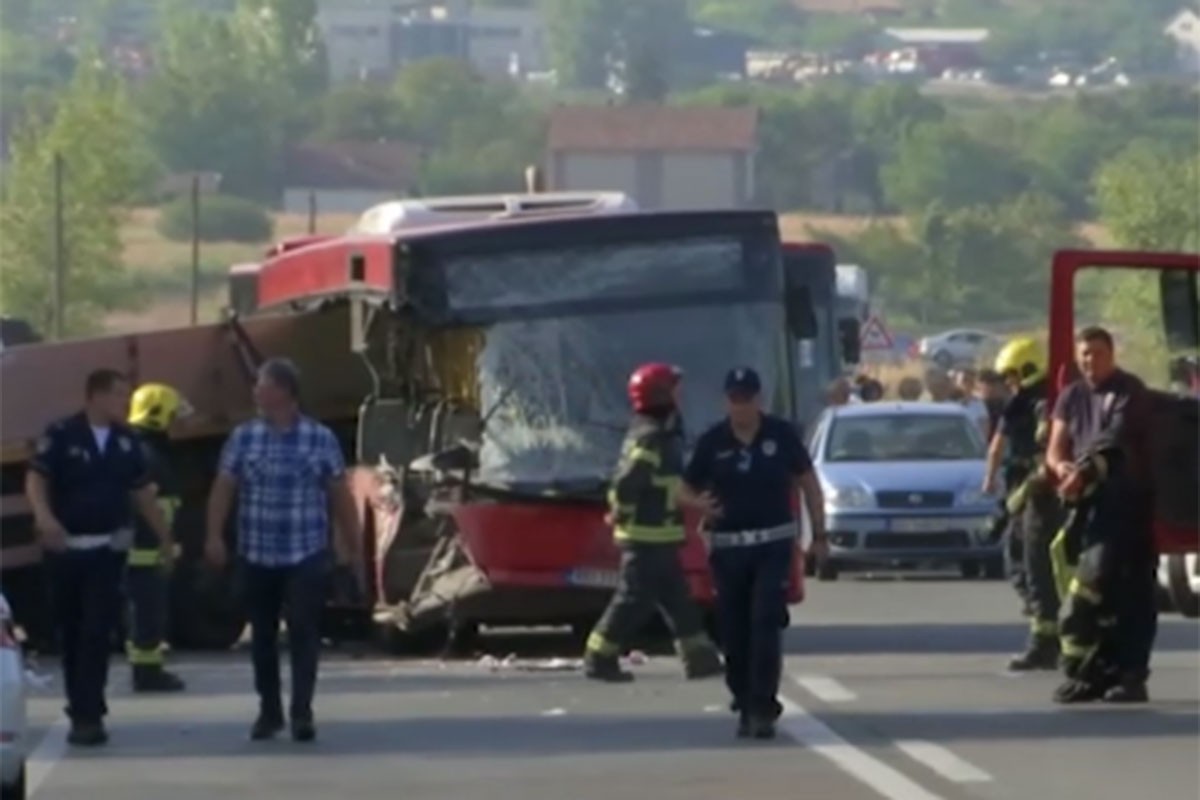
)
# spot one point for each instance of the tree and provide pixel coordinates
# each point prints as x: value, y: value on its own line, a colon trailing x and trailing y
x: 95, y: 130
x: 285, y: 36
x: 581, y: 40
x: 939, y: 162
x: 649, y: 37
x: 216, y: 102
x: 1147, y: 197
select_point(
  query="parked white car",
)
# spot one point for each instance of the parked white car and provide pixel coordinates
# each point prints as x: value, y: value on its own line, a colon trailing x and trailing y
x: 13, y: 737
x: 962, y: 346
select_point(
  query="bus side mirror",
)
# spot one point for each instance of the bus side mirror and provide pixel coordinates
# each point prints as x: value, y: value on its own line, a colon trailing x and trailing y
x: 1180, y: 310
x: 851, y: 344
x: 801, y: 318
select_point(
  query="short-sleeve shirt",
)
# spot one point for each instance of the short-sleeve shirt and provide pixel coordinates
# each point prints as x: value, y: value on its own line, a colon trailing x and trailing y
x: 755, y: 483
x: 283, y: 478
x: 89, y: 488
x: 1120, y: 402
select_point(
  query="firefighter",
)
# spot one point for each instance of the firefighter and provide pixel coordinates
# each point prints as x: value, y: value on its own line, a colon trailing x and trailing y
x: 648, y: 529
x: 1099, y: 453
x: 1030, y: 504
x: 152, y: 410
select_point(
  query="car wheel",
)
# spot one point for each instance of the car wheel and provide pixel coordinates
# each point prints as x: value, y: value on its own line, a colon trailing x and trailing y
x: 1179, y: 584
x: 16, y: 789
x: 827, y: 571
x: 943, y: 359
x: 995, y: 569
x: 970, y: 569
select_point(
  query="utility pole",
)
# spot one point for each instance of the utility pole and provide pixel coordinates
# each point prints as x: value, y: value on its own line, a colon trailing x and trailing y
x: 60, y: 251
x: 195, y: 248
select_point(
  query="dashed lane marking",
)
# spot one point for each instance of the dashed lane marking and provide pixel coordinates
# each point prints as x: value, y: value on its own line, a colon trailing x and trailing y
x: 943, y: 762
x: 45, y: 756
x: 822, y: 740
x: 825, y: 689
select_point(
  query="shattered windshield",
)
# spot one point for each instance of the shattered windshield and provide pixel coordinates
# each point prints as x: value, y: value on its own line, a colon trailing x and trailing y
x: 554, y: 382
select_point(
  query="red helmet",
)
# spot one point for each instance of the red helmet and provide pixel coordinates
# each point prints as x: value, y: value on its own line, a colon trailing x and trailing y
x: 651, y: 386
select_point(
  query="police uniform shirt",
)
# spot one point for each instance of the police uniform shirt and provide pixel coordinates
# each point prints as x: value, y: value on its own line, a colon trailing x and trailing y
x: 754, y: 484
x: 89, y: 487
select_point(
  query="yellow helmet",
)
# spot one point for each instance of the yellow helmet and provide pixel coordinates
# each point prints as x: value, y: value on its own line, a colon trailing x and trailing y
x: 156, y: 406
x: 1024, y: 356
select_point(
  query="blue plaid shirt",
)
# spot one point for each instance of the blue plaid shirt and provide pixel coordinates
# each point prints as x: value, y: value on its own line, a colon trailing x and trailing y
x: 283, y: 480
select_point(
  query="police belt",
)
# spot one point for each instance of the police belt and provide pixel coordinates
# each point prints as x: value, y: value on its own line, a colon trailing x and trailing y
x: 722, y: 539
x: 119, y: 540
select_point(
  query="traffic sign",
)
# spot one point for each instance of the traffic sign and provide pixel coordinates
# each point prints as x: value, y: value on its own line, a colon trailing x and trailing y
x: 874, y: 336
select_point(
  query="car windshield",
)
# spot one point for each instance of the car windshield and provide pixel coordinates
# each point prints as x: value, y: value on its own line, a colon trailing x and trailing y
x: 552, y: 375
x: 904, y: 437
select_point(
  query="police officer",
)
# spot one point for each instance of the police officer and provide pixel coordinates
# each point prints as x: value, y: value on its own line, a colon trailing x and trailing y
x: 153, y: 410
x: 1031, y: 503
x: 753, y: 463
x: 1099, y: 453
x: 80, y: 484
x: 649, y: 531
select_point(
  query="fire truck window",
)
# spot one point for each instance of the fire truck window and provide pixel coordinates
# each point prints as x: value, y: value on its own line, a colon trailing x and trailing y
x: 1152, y: 317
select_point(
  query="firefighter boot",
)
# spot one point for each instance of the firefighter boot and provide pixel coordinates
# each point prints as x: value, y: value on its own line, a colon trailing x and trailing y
x: 153, y: 679
x: 1042, y: 654
x: 1130, y: 688
x: 700, y: 660
x: 605, y: 667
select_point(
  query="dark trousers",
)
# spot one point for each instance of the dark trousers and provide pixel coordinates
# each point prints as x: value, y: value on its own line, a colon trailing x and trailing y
x: 147, y: 590
x: 1112, y: 610
x: 1041, y: 520
x: 86, y: 585
x: 651, y: 579
x: 752, y: 585
x: 300, y: 589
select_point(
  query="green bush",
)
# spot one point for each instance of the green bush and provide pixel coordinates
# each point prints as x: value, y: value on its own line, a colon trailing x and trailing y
x: 222, y: 219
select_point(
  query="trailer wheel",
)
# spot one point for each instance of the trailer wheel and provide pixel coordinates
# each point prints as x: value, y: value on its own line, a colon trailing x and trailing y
x: 1179, y: 585
x: 206, y: 611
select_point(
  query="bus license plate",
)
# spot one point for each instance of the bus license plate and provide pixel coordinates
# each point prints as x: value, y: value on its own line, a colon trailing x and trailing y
x: 598, y: 578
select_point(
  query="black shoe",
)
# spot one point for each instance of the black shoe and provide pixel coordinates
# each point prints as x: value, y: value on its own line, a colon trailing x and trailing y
x: 87, y: 734
x: 266, y: 726
x: 1043, y: 654
x: 303, y: 730
x: 604, y: 668
x: 155, y: 680
x: 743, y: 726
x: 762, y: 727
x: 1132, y: 690
x: 702, y: 662
x: 1079, y: 691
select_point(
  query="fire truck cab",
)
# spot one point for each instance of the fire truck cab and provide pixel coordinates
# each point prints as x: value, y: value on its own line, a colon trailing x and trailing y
x: 1159, y: 340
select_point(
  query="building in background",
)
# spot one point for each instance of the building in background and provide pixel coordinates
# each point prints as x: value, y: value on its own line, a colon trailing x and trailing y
x: 376, y: 38
x: 935, y: 50
x: 1184, y: 30
x: 663, y: 157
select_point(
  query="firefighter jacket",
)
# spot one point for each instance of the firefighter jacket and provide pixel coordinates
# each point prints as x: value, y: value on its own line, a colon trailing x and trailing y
x: 146, y: 546
x: 1024, y: 423
x: 642, y: 496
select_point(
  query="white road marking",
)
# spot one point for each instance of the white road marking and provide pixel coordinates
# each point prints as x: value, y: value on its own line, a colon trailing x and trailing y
x: 822, y: 740
x: 826, y: 689
x: 45, y: 756
x: 554, y: 712
x: 943, y: 762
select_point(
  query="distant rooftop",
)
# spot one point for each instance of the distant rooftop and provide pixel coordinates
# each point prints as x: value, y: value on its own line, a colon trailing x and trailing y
x: 938, y: 35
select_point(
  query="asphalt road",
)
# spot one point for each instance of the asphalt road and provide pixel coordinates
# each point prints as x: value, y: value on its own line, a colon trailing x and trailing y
x: 895, y: 689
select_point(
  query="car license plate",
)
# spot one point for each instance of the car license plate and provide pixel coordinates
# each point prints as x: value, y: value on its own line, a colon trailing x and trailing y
x: 923, y: 525
x: 599, y: 578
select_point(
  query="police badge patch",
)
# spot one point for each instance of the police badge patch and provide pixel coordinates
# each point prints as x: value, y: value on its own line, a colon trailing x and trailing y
x: 44, y: 444
x: 768, y: 447
x: 125, y: 444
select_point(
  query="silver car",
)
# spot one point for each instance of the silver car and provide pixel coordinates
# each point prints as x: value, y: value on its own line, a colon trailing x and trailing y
x: 902, y: 488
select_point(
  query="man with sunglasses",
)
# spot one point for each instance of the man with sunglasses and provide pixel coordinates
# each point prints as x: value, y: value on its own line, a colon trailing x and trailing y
x: 753, y: 463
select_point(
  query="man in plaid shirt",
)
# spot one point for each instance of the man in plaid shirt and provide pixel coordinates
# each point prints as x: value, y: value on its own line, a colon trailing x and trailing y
x: 286, y: 472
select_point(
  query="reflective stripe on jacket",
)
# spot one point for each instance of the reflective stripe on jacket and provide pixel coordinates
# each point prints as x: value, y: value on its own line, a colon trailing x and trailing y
x: 644, y: 491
